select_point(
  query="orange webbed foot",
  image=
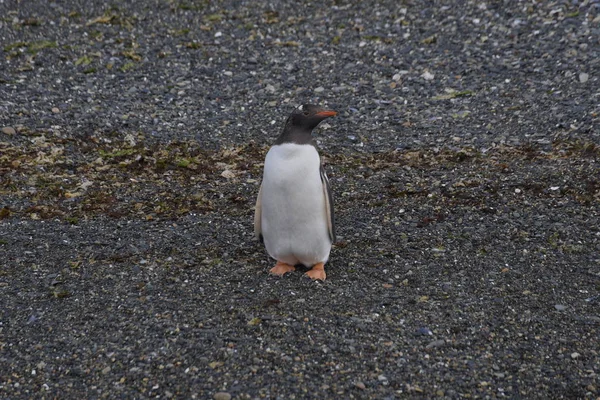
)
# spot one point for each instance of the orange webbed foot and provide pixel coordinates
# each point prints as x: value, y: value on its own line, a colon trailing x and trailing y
x: 281, y: 268
x: 317, y: 272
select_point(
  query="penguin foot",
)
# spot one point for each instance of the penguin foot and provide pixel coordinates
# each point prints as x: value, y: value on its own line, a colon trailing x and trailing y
x: 281, y: 268
x: 317, y: 272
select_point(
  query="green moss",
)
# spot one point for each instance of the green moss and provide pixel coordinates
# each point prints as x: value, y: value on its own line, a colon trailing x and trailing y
x: 128, y: 66
x: 116, y: 153
x: 15, y: 45
x: 214, y: 17
x: 193, y: 45
x: 41, y: 45
x: 83, y: 60
x: 181, y: 32
x: 183, y: 163
x: 72, y: 220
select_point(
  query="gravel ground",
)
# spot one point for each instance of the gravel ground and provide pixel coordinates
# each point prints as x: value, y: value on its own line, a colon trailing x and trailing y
x: 464, y: 164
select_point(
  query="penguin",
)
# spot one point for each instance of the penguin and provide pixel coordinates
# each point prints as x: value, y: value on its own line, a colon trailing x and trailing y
x: 293, y: 216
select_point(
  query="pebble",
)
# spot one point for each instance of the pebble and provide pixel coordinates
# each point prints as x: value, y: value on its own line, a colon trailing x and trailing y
x: 583, y: 77
x: 428, y: 76
x: 360, y: 385
x: 222, y: 396
x: 575, y: 355
x: 436, y: 343
x: 106, y: 370
x: 55, y: 110
x: 319, y: 89
x: 560, y: 307
x: 424, y: 331
x: 228, y: 73
x: 228, y: 174
x: 9, y: 130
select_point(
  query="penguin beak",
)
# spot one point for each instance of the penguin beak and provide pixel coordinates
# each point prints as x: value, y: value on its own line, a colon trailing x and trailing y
x: 326, y: 113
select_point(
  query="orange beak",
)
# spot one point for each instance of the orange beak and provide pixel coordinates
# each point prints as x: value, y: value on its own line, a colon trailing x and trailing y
x: 326, y: 113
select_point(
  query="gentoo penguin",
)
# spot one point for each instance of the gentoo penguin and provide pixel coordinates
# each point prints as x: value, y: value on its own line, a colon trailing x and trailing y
x: 294, y: 209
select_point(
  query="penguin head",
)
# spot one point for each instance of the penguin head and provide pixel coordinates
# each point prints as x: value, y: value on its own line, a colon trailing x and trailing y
x: 308, y: 116
x: 299, y: 125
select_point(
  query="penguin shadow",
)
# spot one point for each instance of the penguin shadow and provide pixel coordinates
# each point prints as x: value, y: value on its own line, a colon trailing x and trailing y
x: 302, y: 268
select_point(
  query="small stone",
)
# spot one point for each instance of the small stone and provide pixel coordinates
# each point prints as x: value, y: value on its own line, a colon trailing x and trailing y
x: 228, y: 73
x: 560, y: 307
x: 575, y: 355
x: 319, y: 89
x: 222, y: 396
x: 591, y: 388
x: 55, y: 110
x: 382, y: 378
x: 439, y: 393
x: 360, y: 385
x: 106, y: 370
x: 428, y: 76
x: 218, y: 34
x: 436, y: 343
x: 9, y: 130
x: 424, y: 331
x: 228, y: 174
x: 583, y: 77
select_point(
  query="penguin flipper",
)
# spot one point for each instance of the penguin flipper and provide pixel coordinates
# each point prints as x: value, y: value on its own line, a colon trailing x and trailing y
x: 328, y: 204
x: 257, y: 216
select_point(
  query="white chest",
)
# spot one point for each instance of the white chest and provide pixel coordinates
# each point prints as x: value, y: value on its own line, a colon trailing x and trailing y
x: 292, y: 163
x: 294, y: 219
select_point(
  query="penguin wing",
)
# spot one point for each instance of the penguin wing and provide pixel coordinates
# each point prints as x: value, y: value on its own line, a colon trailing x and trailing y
x: 328, y: 204
x: 257, y: 216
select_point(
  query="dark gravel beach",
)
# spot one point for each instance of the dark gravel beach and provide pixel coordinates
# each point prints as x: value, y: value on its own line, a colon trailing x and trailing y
x: 464, y: 163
